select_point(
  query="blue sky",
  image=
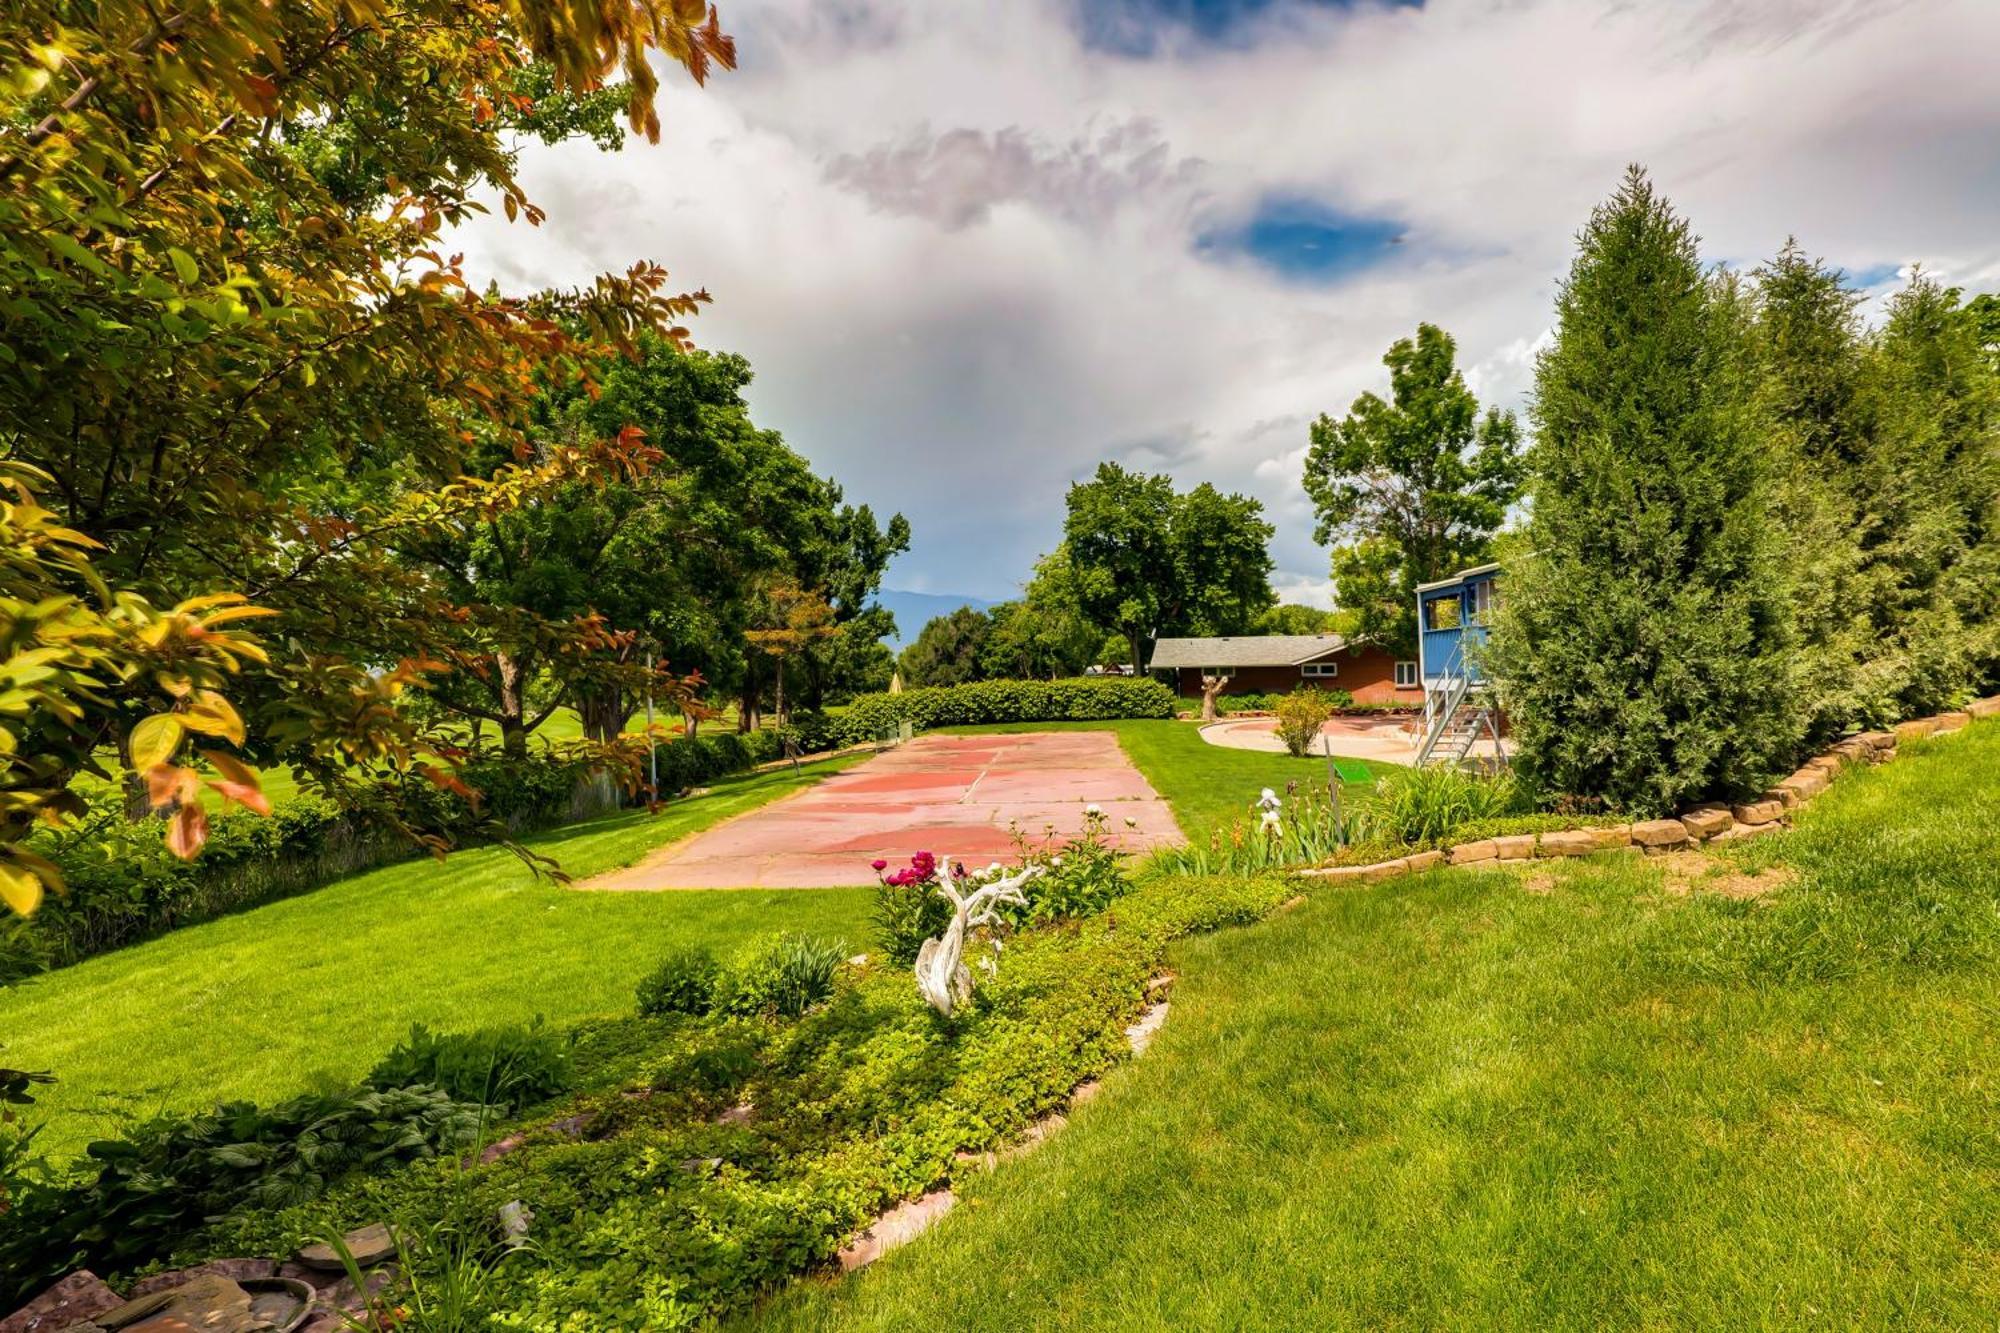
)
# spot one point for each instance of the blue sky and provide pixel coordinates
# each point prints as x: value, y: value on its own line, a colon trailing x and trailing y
x: 974, y: 250
x: 1150, y: 27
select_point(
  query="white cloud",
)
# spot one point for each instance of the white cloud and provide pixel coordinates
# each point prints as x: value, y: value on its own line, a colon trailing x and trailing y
x: 958, y: 246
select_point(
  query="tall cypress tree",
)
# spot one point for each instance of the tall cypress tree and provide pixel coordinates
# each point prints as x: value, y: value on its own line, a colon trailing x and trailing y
x: 1930, y: 535
x: 1643, y: 646
x: 1811, y: 361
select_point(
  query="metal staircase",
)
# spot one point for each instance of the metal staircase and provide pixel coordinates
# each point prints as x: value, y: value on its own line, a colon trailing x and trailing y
x: 1456, y: 715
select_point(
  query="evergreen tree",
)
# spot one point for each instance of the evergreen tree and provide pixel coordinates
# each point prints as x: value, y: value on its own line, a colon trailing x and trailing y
x: 1811, y: 361
x: 1931, y: 536
x: 1644, y: 648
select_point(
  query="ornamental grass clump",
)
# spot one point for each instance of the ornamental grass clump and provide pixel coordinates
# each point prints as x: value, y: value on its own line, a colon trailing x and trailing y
x: 786, y: 976
x: 1420, y: 805
x: 682, y: 982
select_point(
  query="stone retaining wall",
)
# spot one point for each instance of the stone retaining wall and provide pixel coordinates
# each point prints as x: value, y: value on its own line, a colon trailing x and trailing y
x: 1710, y: 822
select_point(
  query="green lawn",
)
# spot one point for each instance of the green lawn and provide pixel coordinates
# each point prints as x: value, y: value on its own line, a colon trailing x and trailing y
x: 1205, y: 784
x: 1595, y: 1094
x: 265, y: 1003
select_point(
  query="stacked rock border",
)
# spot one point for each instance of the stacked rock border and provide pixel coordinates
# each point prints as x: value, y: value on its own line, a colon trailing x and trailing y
x: 1710, y: 822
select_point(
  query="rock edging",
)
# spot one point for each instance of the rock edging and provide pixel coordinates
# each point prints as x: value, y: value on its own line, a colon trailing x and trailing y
x: 1709, y: 822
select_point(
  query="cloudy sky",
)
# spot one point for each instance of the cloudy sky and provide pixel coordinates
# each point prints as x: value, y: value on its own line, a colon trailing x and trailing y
x: 974, y: 249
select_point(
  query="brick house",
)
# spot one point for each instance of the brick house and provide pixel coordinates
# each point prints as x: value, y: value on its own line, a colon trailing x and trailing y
x: 1280, y: 663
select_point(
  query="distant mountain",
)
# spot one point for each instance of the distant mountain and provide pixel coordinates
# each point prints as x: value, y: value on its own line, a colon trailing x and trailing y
x: 915, y: 609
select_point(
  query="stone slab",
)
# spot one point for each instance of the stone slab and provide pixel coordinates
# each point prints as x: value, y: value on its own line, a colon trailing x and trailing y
x: 1471, y: 853
x: 1514, y: 847
x: 1584, y: 841
x: 1952, y: 721
x: 1915, y: 729
x: 1706, y: 821
x: 899, y: 1226
x: 1652, y: 833
x: 1758, y: 812
x: 76, y: 1299
x: 236, y: 1270
x: 1984, y: 707
x: 1367, y: 874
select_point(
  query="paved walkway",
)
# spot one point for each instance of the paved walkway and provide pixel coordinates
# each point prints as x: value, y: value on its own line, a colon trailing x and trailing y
x: 1390, y: 739
x: 951, y: 795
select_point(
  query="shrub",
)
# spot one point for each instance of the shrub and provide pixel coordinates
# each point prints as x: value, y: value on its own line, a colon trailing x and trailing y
x: 512, y: 1066
x: 908, y: 907
x: 173, y: 1174
x: 1300, y: 716
x: 786, y: 975
x: 1415, y: 805
x: 1093, y: 699
x: 682, y: 982
x: 1080, y: 877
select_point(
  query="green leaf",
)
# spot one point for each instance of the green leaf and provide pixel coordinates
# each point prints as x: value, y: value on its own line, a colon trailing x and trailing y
x: 184, y: 265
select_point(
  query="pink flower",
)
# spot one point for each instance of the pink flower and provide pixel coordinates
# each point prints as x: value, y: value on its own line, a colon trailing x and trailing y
x: 879, y: 866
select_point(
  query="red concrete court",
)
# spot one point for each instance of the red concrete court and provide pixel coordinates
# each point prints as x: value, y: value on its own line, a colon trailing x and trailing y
x: 950, y: 795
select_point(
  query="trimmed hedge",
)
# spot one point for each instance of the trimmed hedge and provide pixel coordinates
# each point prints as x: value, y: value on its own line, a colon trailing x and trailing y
x: 873, y: 716
x: 124, y: 886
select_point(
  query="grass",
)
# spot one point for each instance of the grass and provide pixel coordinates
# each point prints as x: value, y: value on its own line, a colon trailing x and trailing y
x: 315, y: 988
x: 1588, y: 1094
x: 1207, y: 785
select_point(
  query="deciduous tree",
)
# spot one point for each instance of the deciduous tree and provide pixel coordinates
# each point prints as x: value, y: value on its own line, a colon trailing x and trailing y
x: 1412, y: 489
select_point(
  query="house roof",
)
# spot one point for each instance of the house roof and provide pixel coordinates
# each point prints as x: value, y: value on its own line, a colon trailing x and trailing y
x: 1459, y: 577
x: 1245, y: 650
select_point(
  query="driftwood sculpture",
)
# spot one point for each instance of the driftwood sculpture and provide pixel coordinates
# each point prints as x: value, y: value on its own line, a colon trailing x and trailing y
x: 942, y: 976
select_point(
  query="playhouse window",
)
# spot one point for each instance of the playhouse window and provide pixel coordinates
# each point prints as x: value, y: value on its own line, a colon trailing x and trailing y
x: 1441, y: 613
x: 1320, y: 669
x: 1406, y: 675
x: 1482, y: 602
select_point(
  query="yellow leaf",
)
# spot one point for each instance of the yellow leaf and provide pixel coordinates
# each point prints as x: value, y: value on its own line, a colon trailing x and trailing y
x: 212, y: 715
x: 154, y: 741
x: 19, y: 889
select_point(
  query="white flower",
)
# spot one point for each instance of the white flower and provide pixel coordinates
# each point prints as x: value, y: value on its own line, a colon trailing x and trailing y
x: 1271, y: 821
x: 993, y: 869
x: 1131, y: 822
x: 1269, y: 800
x: 1093, y: 810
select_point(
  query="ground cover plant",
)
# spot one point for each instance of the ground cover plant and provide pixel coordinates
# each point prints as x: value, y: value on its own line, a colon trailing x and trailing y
x: 1709, y: 1090
x: 317, y: 987
x: 708, y: 1157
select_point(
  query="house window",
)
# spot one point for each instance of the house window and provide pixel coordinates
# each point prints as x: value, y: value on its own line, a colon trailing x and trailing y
x: 1321, y: 669
x: 1441, y: 612
x: 1223, y: 672
x: 1406, y: 675
x: 1482, y: 601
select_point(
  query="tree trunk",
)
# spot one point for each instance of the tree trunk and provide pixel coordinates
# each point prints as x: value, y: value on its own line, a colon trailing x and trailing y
x: 1138, y: 645
x: 1210, y: 687
x: 604, y: 714
x: 779, y: 702
x: 748, y: 714
x: 513, y: 705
